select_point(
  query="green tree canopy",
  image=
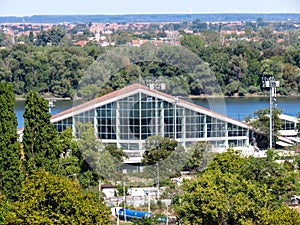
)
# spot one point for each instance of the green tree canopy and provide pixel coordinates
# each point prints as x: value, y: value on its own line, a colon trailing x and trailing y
x: 158, y: 148
x: 52, y: 199
x: 193, y: 42
x: 98, y: 160
x: 10, y: 166
x: 70, y: 160
x: 261, y: 122
x: 41, y: 143
x: 226, y: 194
x: 164, y: 157
x: 199, y: 156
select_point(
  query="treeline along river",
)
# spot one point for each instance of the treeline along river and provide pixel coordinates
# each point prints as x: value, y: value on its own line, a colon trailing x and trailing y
x: 237, y: 108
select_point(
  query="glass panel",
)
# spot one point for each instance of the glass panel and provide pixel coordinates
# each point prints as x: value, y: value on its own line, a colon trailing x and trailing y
x: 194, y: 124
x: 106, y: 121
x: 61, y: 125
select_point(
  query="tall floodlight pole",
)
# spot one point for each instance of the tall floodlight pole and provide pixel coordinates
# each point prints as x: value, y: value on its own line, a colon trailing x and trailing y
x: 272, y: 84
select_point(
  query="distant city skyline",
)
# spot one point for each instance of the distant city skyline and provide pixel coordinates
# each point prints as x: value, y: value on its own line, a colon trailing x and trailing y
x: 86, y: 7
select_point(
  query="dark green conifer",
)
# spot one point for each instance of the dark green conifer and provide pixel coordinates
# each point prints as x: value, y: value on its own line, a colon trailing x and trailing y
x: 10, y: 172
x: 40, y: 139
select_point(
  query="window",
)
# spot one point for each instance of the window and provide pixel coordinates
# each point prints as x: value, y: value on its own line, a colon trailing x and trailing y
x: 194, y: 124
x: 106, y: 121
x: 215, y: 127
x: 129, y: 120
x: 61, y: 125
x: 234, y: 130
x: 288, y: 125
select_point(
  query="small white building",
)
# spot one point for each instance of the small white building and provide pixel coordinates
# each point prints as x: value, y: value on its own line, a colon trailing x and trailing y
x: 109, y: 190
x: 288, y: 133
x: 142, y: 192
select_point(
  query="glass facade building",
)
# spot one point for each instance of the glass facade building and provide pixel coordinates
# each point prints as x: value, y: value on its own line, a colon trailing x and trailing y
x: 288, y: 133
x: 129, y: 116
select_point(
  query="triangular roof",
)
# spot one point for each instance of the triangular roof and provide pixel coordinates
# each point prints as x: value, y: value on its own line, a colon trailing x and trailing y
x: 136, y: 88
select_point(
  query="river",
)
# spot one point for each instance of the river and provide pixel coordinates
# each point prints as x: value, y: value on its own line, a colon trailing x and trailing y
x: 237, y: 108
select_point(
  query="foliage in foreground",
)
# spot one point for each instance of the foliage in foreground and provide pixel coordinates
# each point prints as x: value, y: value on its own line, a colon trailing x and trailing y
x: 51, y: 199
x: 40, y: 139
x: 10, y: 172
x: 232, y: 191
x: 144, y: 221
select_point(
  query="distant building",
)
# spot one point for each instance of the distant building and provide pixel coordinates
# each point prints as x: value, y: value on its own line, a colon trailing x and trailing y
x: 109, y: 190
x: 129, y: 116
x: 288, y: 134
x: 80, y: 43
x: 142, y: 192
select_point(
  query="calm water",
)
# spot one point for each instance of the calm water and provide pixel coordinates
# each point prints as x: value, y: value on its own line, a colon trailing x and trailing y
x: 237, y: 108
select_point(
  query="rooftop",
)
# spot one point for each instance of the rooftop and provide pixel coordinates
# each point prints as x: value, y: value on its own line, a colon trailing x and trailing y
x: 135, y: 88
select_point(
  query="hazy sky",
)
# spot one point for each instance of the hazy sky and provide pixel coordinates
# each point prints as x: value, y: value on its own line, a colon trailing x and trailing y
x: 39, y: 7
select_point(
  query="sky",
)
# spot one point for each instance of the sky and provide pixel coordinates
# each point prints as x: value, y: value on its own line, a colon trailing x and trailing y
x: 69, y: 7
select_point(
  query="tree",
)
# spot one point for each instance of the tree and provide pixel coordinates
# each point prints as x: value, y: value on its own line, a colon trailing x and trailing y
x: 145, y: 221
x: 266, y: 32
x: 98, y: 160
x: 52, y: 199
x: 218, y: 198
x: 70, y: 159
x: 271, y: 68
x: 232, y: 87
x: 5, y: 208
x: 10, y: 166
x: 223, y: 195
x: 64, y: 70
x: 193, y: 42
x: 291, y: 77
x: 116, y: 152
x: 31, y: 37
x: 279, y: 215
x: 199, y: 156
x: 211, y: 38
x: 6, y: 40
x: 163, y: 157
x: 158, y: 148
x: 197, y: 26
x: 261, y: 122
x: 54, y: 36
x: 292, y: 37
x: 280, y: 179
x: 123, y: 38
x: 40, y: 139
x: 21, y: 68
x: 239, y: 67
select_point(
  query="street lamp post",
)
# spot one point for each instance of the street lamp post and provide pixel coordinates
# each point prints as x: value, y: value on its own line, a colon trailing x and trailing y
x: 157, y: 180
x: 147, y: 193
x: 272, y: 84
x: 167, y: 222
x: 124, y: 205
